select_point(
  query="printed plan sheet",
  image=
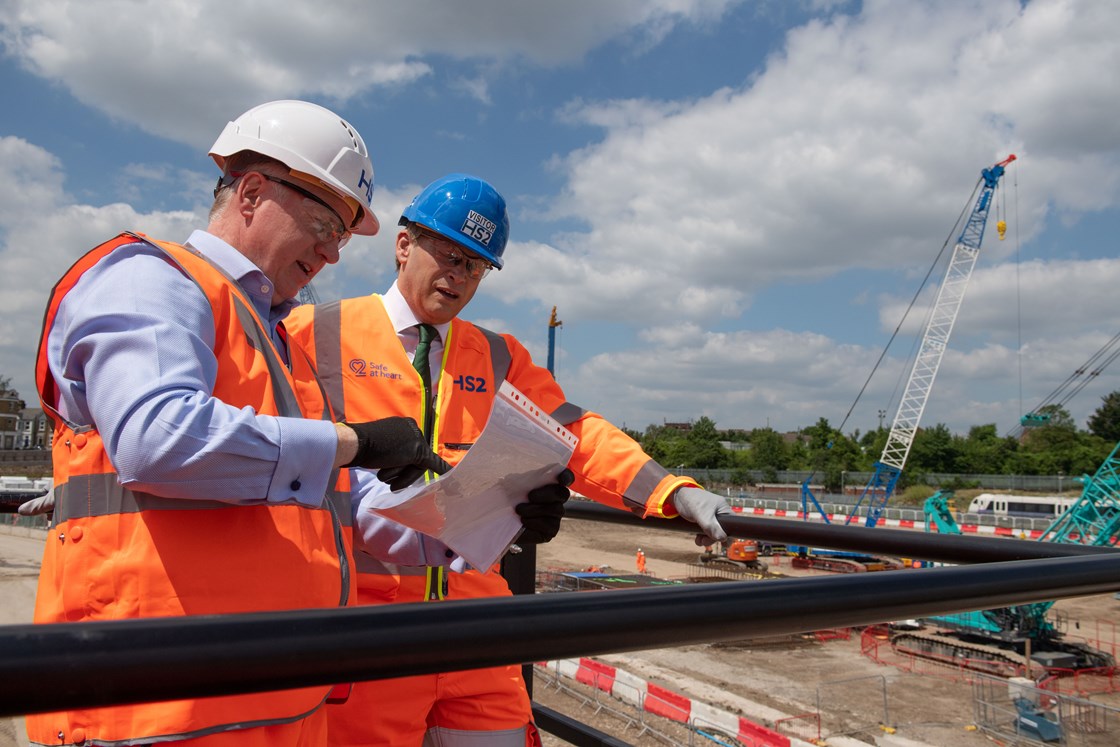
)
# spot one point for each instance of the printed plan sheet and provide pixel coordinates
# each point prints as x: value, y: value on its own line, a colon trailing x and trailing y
x: 470, y: 509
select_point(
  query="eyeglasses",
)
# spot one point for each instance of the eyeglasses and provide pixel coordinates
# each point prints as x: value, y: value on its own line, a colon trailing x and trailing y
x: 452, y: 258
x: 328, y: 227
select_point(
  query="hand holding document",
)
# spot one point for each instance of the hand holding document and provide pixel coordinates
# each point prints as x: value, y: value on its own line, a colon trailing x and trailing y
x: 470, y: 509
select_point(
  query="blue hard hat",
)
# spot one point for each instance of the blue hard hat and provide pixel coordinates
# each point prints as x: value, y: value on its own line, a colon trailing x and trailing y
x: 466, y: 210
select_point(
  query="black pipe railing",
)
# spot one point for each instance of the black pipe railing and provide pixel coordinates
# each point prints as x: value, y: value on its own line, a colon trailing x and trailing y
x: 945, y: 548
x: 76, y: 665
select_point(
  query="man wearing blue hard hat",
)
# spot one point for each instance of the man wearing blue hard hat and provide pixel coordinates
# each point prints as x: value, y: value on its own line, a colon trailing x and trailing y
x: 452, y: 235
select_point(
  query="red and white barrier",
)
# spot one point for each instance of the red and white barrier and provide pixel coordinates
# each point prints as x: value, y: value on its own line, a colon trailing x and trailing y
x: 896, y: 523
x: 660, y: 701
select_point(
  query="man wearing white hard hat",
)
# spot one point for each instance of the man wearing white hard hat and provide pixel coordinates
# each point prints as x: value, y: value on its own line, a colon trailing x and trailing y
x: 196, y: 464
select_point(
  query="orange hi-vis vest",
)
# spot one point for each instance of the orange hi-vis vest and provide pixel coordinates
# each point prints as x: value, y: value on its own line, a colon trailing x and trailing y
x: 115, y: 553
x: 368, y: 375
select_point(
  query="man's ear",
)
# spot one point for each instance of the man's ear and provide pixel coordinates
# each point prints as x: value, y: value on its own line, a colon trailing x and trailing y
x: 249, y: 193
x: 404, y: 246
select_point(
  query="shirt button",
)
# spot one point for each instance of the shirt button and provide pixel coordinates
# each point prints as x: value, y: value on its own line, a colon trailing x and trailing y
x: 448, y: 553
x: 295, y: 485
x: 265, y: 289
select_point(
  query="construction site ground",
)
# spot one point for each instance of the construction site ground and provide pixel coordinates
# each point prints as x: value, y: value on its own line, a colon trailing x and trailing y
x: 791, y: 675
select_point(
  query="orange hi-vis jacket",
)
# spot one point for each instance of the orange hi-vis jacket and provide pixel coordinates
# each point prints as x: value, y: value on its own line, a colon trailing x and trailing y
x: 368, y: 375
x: 114, y: 553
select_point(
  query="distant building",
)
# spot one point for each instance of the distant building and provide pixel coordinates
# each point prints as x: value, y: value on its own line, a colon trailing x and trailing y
x: 35, y: 429
x: 10, y: 407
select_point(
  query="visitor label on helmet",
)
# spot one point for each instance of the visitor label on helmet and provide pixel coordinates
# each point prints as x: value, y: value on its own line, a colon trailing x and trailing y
x: 479, y: 227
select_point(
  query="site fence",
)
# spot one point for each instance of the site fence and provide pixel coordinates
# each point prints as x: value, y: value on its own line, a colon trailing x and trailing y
x: 1019, y: 713
x: 855, y: 481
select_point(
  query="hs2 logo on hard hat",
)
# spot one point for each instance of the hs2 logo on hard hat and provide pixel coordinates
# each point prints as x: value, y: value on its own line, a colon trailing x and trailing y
x: 368, y: 184
x: 479, y: 227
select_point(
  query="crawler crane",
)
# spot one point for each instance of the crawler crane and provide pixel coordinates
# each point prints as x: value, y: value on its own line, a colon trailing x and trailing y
x: 998, y: 640
x: 927, y: 362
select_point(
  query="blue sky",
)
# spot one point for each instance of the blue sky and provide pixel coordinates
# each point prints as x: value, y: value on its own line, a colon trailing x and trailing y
x: 730, y: 203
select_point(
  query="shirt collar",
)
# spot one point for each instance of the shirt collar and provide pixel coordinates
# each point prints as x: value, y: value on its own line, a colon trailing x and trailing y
x: 401, y: 314
x: 250, y: 277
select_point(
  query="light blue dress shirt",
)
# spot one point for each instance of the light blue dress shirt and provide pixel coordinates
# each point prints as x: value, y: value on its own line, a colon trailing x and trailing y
x: 132, y: 352
x: 381, y: 538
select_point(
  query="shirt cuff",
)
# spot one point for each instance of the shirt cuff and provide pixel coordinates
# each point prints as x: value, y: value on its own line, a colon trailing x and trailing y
x: 306, y: 460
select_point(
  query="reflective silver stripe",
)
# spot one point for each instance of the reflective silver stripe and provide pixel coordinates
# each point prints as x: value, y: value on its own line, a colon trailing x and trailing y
x: 441, y: 736
x: 567, y: 413
x: 101, y: 495
x: 282, y: 393
x: 638, y: 492
x: 500, y: 358
x: 328, y: 353
x: 340, y: 500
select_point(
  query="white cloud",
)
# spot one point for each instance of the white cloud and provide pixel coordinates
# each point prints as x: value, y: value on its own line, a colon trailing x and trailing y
x: 45, y: 231
x: 850, y: 150
x: 176, y: 68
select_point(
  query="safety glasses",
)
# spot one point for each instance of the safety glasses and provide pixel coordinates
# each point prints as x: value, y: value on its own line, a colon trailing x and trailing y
x: 327, y: 226
x: 451, y: 258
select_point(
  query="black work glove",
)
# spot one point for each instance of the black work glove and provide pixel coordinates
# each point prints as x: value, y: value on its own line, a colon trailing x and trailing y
x: 397, y: 448
x: 541, y: 516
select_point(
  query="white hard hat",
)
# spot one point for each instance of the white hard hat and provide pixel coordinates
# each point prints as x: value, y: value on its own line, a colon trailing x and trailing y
x: 309, y: 139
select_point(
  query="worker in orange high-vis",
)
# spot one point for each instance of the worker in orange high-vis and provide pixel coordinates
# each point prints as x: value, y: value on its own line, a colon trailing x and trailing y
x: 640, y: 560
x: 452, y: 235
x: 195, y: 470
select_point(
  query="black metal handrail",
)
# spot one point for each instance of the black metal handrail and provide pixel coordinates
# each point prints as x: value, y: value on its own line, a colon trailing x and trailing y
x: 75, y: 665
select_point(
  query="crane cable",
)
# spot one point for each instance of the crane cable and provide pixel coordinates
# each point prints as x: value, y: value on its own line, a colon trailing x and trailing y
x: 913, y: 301
x: 1018, y: 292
x: 1086, y: 367
x: 936, y: 262
x: 1086, y: 372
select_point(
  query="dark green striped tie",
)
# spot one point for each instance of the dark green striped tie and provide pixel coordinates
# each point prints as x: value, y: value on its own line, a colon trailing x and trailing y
x: 420, y: 363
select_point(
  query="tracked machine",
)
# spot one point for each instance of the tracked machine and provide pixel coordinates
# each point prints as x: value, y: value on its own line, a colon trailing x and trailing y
x: 1002, y: 640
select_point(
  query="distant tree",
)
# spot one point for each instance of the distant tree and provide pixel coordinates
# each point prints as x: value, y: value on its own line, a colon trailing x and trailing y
x: 831, y: 454
x: 703, y: 449
x: 1105, y: 420
x: 871, y: 448
x: 933, y: 450
x: 798, y: 455
x: 658, y: 441
x: 768, y: 452
x: 984, y: 451
x: 821, y: 435
x: 5, y: 383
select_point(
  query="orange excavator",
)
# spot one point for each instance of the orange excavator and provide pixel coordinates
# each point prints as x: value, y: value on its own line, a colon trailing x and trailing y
x: 734, y: 553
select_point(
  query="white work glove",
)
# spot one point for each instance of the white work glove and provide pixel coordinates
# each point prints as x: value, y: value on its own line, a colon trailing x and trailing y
x: 44, y: 504
x: 703, y: 509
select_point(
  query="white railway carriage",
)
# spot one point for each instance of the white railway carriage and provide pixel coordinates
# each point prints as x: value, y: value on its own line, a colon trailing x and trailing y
x: 1031, y: 506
